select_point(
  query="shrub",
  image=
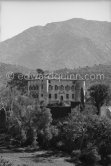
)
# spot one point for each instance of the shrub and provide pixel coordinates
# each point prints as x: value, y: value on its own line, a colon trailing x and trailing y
x: 75, y: 156
x: 73, y: 131
x: 90, y: 156
x: 47, y: 137
x: 82, y: 129
x: 29, y: 136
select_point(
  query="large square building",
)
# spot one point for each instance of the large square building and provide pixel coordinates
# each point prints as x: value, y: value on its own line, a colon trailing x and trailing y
x: 56, y: 91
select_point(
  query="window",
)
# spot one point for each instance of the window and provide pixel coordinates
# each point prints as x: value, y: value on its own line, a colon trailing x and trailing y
x: 56, y: 87
x: 49, y: 81
x: 42, y: 86
x: 67, y: 88
x: 72, y: 88
x: 49, y: 96
x: 61, y: 87
x: 61, y: 98
x: 34, y: 95
x: 50, y: 87
x: 41, y: 95
x: 34, y: 87
x: 55, y: 96
x: 30, y: 87
x: 37, y: 87
x: 67, y: 96
x: 72, y: 96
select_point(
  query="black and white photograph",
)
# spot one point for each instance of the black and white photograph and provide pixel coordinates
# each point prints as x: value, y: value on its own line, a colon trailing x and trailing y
x: 55, y: 83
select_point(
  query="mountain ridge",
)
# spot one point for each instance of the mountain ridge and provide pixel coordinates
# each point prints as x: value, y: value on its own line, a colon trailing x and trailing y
x: 72, y: 43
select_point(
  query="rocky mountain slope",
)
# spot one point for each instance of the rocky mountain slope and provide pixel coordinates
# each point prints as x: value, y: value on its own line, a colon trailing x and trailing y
x: 70, y: 44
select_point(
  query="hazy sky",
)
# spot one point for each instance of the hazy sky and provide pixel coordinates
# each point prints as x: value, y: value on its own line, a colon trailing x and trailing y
x: 18, y: 16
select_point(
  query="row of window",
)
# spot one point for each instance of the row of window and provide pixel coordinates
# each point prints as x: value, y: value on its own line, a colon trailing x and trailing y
x: 56, y: 96
x: 61, y: 87
x: 35, y: 95
x: 35, y: 87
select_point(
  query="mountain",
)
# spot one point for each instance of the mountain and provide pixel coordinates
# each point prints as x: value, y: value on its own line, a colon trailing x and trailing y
x: 66, y: 44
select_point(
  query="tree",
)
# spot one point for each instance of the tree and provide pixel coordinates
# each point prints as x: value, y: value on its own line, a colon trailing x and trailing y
x: 99, y: 95
x: 40, y: 71
x: 2, y: 119
x: 8, y: 96
x: 82, y: 100
x: 18, y: 80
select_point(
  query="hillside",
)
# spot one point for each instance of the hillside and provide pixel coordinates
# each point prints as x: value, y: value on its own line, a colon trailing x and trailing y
x: 95, y: 70
x: 8, y: 68
x: 70, y: 44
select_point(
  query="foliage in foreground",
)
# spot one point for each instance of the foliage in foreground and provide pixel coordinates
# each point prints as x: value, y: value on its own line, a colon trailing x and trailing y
x: 6, y: 162
x: 99, y: 95
x: 88, y: 134
x: 85, y: 135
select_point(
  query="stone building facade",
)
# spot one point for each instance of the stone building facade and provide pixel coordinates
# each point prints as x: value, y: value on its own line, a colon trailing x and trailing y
x: 56, y: 91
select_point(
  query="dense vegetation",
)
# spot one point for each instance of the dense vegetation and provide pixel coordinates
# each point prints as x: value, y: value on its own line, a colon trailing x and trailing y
x: 84, y: 134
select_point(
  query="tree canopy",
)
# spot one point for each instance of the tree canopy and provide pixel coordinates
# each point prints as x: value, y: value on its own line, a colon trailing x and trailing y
x: 99, y: 95
x: 18, y: 80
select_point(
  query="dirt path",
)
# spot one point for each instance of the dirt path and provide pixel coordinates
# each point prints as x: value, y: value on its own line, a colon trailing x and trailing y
x: 40, y: 158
